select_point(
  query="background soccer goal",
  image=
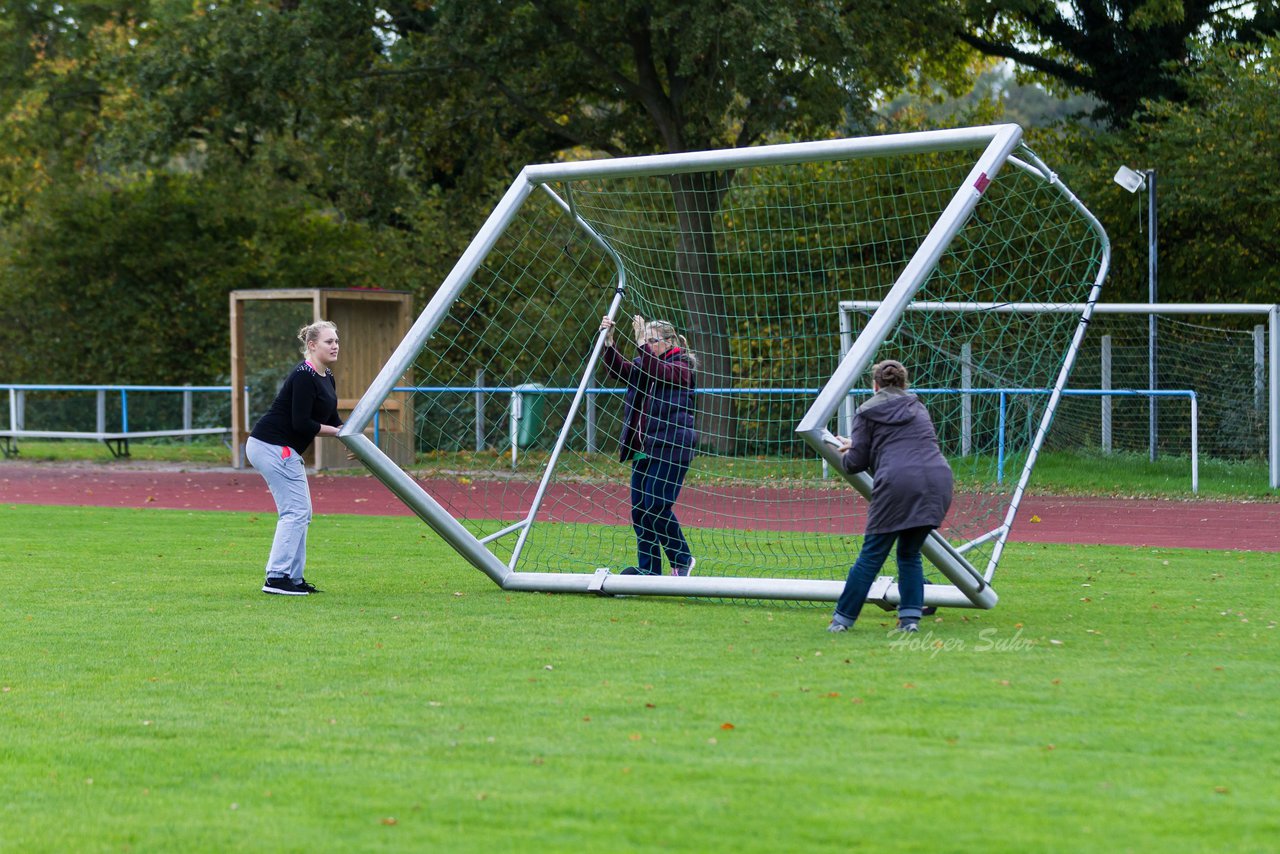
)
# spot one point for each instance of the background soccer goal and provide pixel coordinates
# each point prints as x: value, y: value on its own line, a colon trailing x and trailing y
x: 749, y: 252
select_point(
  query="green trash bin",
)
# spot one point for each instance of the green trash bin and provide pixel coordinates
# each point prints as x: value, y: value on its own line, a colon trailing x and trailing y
x: 528, y: 409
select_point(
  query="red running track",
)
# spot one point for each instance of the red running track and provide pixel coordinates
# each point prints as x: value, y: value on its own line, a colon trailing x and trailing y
x: 1041, y: 519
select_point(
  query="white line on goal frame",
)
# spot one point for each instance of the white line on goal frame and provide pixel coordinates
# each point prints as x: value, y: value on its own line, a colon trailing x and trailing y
x: 995, y: 143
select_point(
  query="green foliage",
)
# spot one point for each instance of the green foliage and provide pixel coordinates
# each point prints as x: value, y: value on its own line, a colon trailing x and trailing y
x: 127, y: 281
x: 637, y: 77
x: 1123, y: 52
x: 54, y: 77
x: 351, y: 142
x: 1217, y: 178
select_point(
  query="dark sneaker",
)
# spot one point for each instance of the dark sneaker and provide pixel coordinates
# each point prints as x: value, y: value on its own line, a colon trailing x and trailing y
x: 284, y: 586
x: 685, y: 570
x: 307, y: 587
x: 635, y: 570
x: 837, y: 627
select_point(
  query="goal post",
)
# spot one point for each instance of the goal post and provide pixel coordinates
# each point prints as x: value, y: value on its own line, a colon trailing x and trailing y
x: 749, y: 252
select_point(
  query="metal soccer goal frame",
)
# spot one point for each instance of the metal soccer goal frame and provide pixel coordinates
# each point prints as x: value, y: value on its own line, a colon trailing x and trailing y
x: 994, y: 148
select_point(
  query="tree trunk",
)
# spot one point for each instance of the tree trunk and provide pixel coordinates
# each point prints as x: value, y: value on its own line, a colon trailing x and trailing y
x: 697, y: 198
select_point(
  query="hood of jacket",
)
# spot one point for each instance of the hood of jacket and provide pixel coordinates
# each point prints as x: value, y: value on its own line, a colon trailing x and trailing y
x: 890, y: 406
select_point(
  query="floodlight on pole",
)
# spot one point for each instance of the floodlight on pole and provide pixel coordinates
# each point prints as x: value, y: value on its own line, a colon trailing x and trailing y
x: 1134, y: 180
x: 1131, y: 179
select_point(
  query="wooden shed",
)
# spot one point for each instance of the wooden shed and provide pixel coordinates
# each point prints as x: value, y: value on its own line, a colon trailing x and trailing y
x: 371, y: 323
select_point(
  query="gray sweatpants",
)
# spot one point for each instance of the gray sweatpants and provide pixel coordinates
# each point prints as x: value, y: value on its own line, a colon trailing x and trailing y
x: 286, y: 476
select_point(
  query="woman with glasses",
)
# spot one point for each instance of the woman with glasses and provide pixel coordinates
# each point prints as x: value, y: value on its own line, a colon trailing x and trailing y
x: 658, y: 437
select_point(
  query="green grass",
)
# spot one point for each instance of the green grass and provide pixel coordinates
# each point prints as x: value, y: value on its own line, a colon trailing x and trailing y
x: 151, y: 699
x: 1135, y: 475
x: 202, y: 450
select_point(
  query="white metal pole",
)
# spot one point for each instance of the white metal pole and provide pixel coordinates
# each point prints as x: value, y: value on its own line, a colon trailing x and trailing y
x: 186, y: 412
x: 1195, y: 445
x: 480, y: 443
x: 513, y: 422
x: 966, y: 400
x: 1273, y: 382
x: 1259, y: 366
x: 1151, y: 319
x: 1105, y: 383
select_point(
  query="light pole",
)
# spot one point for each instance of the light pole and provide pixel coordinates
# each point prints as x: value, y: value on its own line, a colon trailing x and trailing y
x: 1134, y: 180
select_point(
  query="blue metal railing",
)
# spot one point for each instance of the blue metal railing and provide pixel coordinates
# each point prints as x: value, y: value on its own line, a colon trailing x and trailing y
x: 1002, y: 423
x: 116, y: 440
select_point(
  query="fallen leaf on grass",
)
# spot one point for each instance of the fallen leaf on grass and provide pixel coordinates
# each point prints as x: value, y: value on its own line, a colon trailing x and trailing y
x: 727, y: 725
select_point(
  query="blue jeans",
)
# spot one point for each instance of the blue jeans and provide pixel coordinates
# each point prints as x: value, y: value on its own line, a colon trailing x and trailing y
x: 875, y: 550
x: 286, y: 476
x: 655, y: 485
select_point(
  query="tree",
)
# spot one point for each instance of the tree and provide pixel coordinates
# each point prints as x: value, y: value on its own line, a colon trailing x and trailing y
x: 52, y: 88
x: 155, y: 156
x: 1215, y: 154
x: 1219, y: 152
x: 1121, y: 51
x: 639, y: 76
x: 126, y: 280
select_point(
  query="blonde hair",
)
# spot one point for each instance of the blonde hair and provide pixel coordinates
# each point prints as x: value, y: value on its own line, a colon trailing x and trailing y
x: 667, y: 331
x: 311, y: 332
x: 890, y: 374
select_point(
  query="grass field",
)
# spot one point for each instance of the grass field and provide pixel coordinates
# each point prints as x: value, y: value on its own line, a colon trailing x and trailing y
x: 152, y: 700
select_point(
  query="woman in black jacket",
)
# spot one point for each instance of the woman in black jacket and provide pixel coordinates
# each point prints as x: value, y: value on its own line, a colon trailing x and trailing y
x: 305, y: 407
x: 893, y: 437
x: 658, y: 438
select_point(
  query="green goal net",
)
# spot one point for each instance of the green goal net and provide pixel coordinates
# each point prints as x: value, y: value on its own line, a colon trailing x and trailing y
x: 786, y: 269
